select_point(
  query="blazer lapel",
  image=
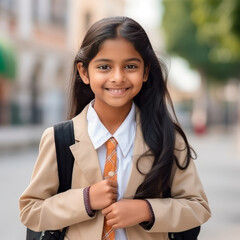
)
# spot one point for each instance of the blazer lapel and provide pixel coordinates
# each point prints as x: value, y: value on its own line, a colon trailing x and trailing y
x: 86, y: 156
x: 145, y: 163
x: 83, y: 151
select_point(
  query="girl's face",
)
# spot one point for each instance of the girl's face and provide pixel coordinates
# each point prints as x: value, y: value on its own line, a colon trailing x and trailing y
x: 115, y: 74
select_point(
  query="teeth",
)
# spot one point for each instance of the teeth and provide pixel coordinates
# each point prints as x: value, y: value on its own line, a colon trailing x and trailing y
x: 116, y: 90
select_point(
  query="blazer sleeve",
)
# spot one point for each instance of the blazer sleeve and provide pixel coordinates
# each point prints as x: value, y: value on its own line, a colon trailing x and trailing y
x: 188, y: 206
x: 41, y: 208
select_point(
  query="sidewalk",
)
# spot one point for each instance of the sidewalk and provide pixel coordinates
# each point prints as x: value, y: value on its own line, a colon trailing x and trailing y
x: 17, y: 137
x: 232, y: 232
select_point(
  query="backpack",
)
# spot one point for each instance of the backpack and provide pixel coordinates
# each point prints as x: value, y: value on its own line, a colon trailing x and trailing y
x: 64, y: 137
x: 191, y: 234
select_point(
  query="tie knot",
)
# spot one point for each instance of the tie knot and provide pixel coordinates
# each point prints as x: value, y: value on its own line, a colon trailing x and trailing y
x: 111, y: 143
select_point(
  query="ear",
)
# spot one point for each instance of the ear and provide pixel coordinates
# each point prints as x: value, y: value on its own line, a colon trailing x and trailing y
x: 83, y: 73
x: 146, y: 73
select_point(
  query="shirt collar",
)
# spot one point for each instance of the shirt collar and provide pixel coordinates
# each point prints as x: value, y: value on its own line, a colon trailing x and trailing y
x: 124, y: 135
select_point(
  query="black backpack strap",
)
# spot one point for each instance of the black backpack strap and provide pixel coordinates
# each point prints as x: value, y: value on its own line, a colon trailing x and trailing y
x: 64, y: 137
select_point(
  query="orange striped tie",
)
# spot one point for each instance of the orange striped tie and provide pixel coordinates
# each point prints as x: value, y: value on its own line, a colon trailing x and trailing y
x: 110, y: 172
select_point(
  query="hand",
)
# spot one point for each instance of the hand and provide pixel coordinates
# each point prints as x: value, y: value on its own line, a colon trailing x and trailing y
x: 102, y: 194
x: 127, y: 213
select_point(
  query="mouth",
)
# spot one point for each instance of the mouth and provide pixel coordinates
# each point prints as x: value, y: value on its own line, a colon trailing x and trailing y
x: 117, y: 91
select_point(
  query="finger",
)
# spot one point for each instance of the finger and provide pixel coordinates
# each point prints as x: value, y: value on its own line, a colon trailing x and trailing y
x: 111, y: 222
x: 112, y: 183
x: 116, y: 226
x: 106, y: 210
x: 114, y: 196
x: 111, y: 191
x: 114, y: 190
x: 109, y: 216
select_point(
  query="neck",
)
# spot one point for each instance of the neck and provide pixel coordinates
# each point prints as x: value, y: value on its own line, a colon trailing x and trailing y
x: 112, y: 118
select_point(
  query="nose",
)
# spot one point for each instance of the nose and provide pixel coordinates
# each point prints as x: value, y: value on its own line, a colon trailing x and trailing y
x: 118, y: 75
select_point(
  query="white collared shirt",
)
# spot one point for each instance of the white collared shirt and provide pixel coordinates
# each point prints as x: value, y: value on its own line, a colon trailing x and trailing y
x: 125, y: 136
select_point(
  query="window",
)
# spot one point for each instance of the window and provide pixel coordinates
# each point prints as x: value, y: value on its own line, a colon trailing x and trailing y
x: 10, y: 6
x: 58, y: 12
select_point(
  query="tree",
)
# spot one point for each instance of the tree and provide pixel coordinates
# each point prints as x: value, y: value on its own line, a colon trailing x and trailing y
x: 185, y: 37
x: 218, y: 24
x: 185, y: 24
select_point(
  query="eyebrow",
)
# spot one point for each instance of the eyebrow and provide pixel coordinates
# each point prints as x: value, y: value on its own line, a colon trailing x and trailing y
x: 109, y: 60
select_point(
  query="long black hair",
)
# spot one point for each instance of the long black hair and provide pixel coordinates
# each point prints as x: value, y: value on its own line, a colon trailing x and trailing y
x: 159, y: 126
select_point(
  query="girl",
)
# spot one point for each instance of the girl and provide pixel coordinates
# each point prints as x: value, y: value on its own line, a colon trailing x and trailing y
x: 118, y: 91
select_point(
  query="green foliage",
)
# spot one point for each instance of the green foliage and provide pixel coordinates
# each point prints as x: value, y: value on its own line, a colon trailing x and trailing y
x: 192, y: 29
x: 181, y: 33
x: 236, y: 19
x: 218, y: 24
x: 7, y: 61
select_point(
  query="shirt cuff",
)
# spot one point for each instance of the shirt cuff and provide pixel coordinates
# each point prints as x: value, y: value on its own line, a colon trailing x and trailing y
x: 148, y: 225
x: 90, y: 212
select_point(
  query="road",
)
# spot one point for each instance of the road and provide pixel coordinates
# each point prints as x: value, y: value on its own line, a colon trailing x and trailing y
x: 218, y: 165
x: 15, y: 174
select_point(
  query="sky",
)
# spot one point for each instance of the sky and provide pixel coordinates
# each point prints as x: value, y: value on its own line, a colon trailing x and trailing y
x: 147, y: 13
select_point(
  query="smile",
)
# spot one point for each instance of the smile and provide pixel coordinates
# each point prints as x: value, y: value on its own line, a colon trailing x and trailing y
x: 118, y: 91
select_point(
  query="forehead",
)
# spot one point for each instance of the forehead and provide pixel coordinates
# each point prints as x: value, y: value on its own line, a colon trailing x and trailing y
x: 117, y: 48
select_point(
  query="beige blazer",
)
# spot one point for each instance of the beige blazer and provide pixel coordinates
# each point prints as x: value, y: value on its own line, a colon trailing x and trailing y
x: 41, y: 208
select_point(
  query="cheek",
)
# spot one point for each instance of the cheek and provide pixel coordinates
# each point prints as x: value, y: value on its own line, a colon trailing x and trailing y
x: 138, y: 86
x: 97, y: 77
x: 138, y: 80
x: 96, y: 84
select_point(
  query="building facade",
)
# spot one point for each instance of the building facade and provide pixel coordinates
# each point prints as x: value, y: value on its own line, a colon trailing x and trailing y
x: 45, y: 36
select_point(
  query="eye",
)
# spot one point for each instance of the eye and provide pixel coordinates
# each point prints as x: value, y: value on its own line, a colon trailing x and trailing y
x: 104, y: 67
x: 131, y: 66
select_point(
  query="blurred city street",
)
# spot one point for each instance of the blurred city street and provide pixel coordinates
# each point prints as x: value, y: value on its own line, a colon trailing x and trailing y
x: 218, y: 164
